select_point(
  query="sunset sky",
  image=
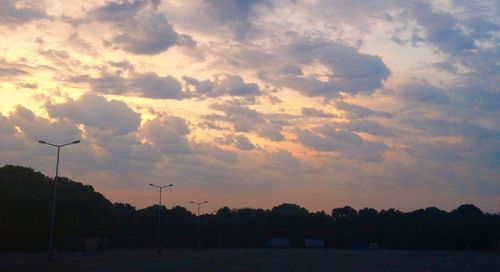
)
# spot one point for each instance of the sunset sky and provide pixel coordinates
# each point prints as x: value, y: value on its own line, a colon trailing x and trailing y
x: 322, y: 103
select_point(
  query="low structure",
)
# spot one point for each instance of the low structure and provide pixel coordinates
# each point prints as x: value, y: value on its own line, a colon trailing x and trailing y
x: 278, y: 242
x: 314, y: 243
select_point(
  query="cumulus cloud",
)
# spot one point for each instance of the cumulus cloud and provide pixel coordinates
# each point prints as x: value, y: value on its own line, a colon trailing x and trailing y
x: 355, y: 111
x: 150, y: 34
x: 10, y: 70
x: 154, y: 86
x: 95, y: 111
x: 217, y: 153
x: 440, y: 127
x: 351, y: 71
x: 120, y: 11
x: 223, y: 85
x: 243, y: 143
x: 168, y: 134
x: 313, y: 112
x: 423, y: 92
x: 370, y: 127
x: 349, y: 145
x: 143, y: 30
x: 5, y: 127
x: 315, y: 67
x: 19, y: 12
x: 245, y: 119
x: 283, y: 159
x: 38, y: 128
x: 240, y: 141
x: 442, y: 29
x: 236, y: 15
x: 150, y: 85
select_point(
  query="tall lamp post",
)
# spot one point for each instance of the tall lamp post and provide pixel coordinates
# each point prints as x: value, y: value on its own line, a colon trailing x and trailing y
x: 198, y: 232
x: 159, y: 216
x: 53, y: 217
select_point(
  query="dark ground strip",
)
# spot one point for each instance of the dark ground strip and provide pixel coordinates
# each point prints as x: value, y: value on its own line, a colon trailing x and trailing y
x: 243, y: 260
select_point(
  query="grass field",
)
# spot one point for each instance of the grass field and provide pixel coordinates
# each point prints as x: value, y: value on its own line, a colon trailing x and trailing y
x: 242, y: 260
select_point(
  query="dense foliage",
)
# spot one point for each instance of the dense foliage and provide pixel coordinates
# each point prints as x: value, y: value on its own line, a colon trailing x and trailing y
x: 25, y: 204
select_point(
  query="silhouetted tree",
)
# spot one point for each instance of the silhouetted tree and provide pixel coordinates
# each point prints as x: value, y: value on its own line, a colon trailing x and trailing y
x: 26, y: 196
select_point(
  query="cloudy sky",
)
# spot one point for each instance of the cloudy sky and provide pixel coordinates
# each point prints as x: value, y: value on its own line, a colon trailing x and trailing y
x: 252, y: 103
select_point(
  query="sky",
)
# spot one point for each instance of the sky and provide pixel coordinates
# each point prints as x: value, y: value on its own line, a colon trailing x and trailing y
x: 322, y: 103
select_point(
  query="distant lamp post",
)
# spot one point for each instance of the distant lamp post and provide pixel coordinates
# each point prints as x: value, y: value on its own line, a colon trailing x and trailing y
x: 198, y: 216
x: 159, y: 216
x: 53, y: 217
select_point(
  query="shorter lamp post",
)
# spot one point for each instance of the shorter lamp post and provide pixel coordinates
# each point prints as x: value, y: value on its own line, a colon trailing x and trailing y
x: 53, y: 216
x: 198, y: 216
x: 159, y: 216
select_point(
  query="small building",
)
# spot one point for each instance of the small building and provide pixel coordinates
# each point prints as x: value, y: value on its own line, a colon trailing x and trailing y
x: 278, y: 242
x: 372, y: 246
x: 314, y: 243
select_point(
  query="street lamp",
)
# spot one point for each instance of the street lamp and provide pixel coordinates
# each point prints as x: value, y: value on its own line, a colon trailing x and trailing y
x: 159, y: 216
x: 198, y: 232
x: 53, y: 217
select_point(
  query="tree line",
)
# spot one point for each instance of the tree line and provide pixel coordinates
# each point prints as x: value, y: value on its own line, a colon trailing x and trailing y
x: 25, y: 205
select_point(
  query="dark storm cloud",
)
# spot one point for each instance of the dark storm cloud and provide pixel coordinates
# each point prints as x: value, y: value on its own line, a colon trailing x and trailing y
x: 95, y: 111
x: 19, y: 12
x: 327, y: 138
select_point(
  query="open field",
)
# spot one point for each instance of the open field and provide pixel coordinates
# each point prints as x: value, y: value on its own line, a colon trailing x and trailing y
x: 242, y: 260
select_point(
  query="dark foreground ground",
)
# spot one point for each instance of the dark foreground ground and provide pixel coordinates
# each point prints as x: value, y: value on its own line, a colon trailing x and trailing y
x: 242, y: 260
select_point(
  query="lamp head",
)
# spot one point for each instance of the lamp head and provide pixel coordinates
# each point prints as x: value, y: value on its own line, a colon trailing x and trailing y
x: 76, y: 142
x: 42, y: 142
